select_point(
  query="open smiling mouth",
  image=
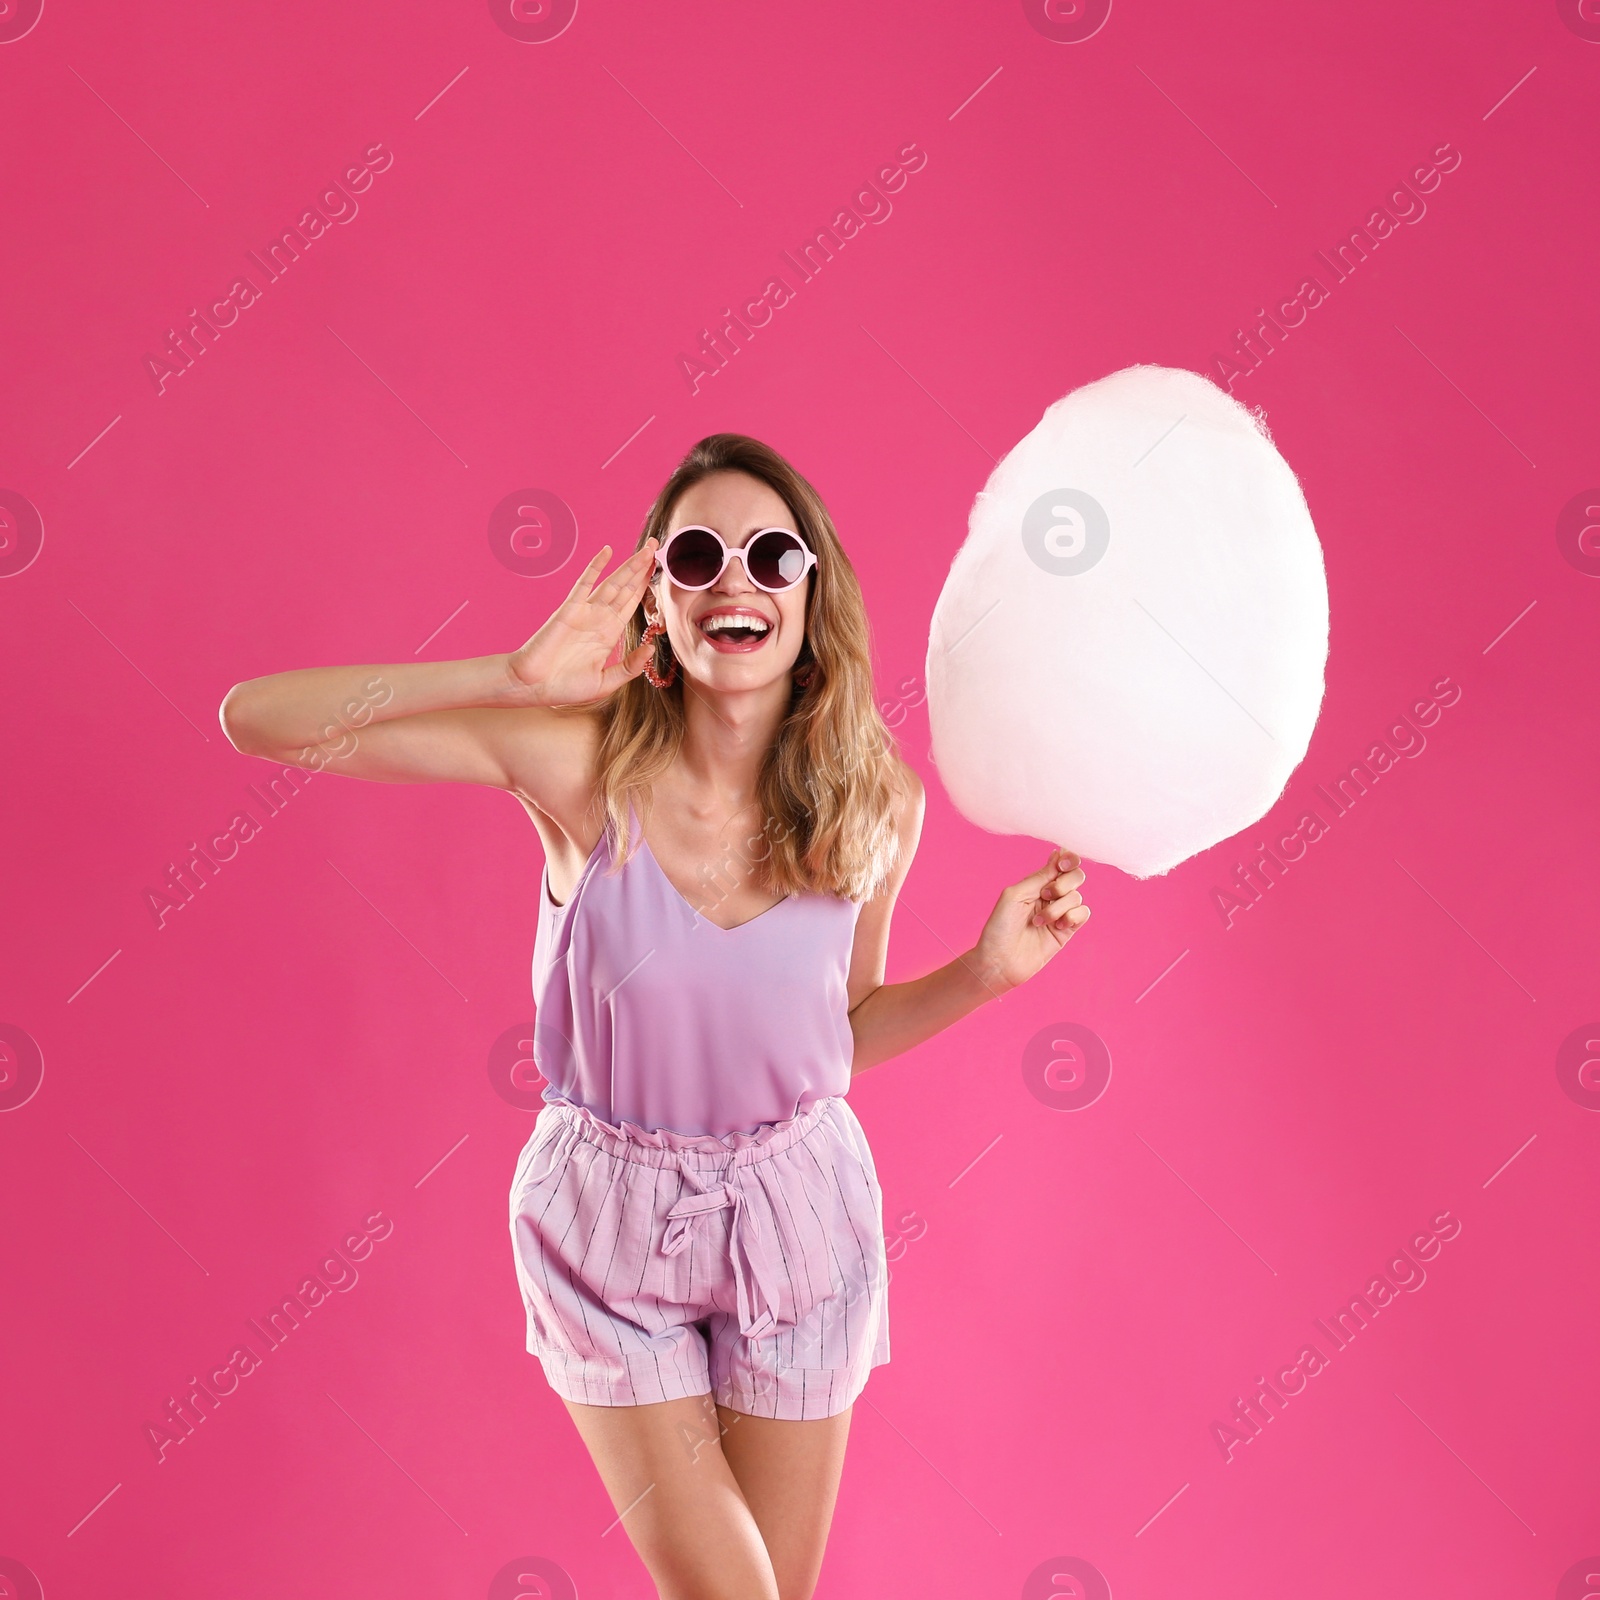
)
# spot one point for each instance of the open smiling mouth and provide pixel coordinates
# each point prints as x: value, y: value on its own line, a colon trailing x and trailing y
x: 735, y: 633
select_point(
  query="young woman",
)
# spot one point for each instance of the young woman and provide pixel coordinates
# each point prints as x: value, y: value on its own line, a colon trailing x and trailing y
x: 696, y: 1217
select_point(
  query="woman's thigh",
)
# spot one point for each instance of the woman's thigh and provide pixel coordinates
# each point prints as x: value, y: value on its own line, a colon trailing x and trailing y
x: 678, y: 1499
x: 718, y: 1503
x: 789, y: 1475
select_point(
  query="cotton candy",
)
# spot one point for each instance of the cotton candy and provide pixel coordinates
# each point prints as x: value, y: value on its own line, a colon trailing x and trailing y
x: 1127, y: 656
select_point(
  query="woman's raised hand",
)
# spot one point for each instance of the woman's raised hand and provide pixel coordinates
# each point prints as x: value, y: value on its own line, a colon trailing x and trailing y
x: 565, y: 662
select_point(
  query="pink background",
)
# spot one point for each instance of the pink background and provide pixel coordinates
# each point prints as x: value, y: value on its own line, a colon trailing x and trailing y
x: 1078, y: 1296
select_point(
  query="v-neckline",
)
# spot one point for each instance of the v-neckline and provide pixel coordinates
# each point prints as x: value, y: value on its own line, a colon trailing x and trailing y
x: 700, y: 916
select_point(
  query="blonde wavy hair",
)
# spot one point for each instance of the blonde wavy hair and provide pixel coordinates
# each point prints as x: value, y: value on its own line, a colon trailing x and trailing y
x: 830, y: 782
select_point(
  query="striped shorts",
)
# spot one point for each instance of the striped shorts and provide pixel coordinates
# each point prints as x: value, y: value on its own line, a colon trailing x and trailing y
x: 659, y: 1266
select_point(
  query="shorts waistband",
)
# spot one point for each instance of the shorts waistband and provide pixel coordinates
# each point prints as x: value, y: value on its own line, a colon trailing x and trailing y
x: 662, y: 1147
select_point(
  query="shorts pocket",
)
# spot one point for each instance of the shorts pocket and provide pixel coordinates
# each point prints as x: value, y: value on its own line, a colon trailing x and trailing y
x: 840, y: 1284
x: 536, y: 1222
x: 538, y: 1161
x: 540, y: 1317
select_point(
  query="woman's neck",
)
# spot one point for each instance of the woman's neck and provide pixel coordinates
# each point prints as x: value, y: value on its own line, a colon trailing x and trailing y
x: 726, y: 738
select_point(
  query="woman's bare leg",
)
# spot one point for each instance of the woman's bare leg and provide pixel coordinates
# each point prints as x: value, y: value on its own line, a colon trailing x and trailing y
x: 675, y: 1494
x: 789, y: 1474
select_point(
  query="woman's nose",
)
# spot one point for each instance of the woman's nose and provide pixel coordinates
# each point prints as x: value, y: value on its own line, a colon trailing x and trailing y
x: 734, y: 579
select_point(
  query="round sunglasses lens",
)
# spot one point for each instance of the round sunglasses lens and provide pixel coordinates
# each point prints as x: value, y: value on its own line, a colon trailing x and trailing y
x: 777, y: 559
x: 695, y: 558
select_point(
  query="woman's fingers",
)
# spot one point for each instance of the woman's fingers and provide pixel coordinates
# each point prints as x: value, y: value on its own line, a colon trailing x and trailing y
x: 630, y: 666
x: 1063, y: 916
x: 580, y: 590
x: 636, y: 576
x: 1052, y: 892
x: 624, y: 588
x: 647, y: 567
x: 1059, y: 903
x: 1054, y: 910
x: 1064, y: 881
x: 1060, y: 861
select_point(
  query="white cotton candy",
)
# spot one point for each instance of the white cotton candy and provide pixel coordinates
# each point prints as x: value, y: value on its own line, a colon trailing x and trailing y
x: 1127, y: 657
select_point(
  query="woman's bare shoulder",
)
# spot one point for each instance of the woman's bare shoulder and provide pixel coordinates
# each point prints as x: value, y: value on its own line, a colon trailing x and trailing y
x: 552, y: 756
x: 911, y: 797
x: 910, y: 805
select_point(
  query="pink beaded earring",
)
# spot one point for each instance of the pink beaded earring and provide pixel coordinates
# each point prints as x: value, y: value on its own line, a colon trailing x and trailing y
x: 651, y: 634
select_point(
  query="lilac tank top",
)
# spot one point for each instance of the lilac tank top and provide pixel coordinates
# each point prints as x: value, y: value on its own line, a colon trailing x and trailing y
x: 650, y: 1014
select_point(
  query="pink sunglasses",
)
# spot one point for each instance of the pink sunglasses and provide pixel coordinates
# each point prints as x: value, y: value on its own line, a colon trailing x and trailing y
x: 774, y: 559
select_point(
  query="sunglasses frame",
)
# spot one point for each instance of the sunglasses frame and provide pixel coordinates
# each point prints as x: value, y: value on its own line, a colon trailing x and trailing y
x: 729, y: 551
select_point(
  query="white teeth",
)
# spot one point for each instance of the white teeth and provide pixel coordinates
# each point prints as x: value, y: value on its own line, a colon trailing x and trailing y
x: 724, y: 620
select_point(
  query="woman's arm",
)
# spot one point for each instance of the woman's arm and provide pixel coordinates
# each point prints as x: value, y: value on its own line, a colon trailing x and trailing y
x: 495, y: 720
x: 1031, y: 921
x: 294, y: 716
x: 896, y: 1017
